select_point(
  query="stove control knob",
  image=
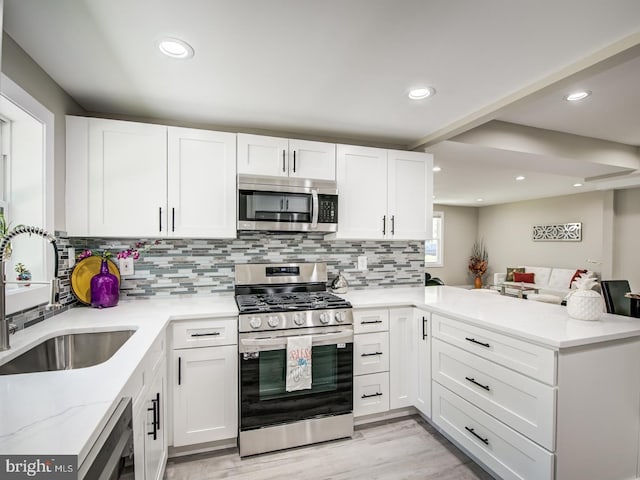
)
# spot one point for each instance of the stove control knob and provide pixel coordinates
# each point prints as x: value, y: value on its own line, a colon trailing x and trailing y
x: 340, y: 317
x: 298, y: 319
x: 273, y: 322
x: 255, y: 322
x: 325, y: 317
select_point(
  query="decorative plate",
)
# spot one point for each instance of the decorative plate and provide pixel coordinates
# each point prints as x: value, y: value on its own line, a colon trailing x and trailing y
x: 82, y: 274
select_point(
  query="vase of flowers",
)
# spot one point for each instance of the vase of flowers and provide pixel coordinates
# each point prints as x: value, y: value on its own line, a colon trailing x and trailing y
x: 478, y: 262
x: 105, y: 288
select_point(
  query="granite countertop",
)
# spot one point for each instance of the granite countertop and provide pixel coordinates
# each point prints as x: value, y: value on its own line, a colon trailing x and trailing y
x: 63, y: 412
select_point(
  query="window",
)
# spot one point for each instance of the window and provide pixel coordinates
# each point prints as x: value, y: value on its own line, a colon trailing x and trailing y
x: 433, y: 247
x: 26, y: 148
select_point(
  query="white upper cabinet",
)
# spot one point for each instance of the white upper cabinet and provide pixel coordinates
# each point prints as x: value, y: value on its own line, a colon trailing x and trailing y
x: 127, y: 179
x: 281, y: 157
x: 384, y: 194
x: 201, y: 189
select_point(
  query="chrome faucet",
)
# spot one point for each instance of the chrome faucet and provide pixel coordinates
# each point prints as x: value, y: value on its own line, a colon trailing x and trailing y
x: 7, y: 328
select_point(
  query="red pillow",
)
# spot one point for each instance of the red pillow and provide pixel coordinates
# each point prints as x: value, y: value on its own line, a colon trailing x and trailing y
x: 524, y: 277
x: 576, y: 275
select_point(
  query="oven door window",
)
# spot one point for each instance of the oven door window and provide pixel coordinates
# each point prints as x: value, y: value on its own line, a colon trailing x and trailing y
x: 275, y: 206
x: 265, y: 400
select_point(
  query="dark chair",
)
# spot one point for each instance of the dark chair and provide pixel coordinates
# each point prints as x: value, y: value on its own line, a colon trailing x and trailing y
x: 430, y: 281
x: 613, y: 292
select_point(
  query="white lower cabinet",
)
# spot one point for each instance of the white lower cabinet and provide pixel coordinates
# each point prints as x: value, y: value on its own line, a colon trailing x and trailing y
x: 503, y: 450
x: 371, y: 394
x: 422, y: 340
x: 205, y: 382
x: 403, y: 356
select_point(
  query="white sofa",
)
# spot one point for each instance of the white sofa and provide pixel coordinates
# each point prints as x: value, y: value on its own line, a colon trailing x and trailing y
x: 549, y: 280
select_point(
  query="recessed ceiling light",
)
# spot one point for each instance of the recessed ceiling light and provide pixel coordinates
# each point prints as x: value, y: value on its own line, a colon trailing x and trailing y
x: 437, y: 169
x: 520, y: 177
x: 577, y: 184
x: 479, y: 199
x: 175, y: 48
x: 577, y: 96
x: 421, y: 92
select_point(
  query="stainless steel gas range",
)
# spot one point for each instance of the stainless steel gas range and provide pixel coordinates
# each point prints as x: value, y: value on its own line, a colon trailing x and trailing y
x: 295, y: 347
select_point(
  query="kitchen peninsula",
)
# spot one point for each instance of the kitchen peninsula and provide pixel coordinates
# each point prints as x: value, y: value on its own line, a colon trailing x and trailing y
x: 564, y: 393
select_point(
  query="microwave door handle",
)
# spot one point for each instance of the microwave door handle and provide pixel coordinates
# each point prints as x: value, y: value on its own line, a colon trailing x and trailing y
x: 315, y: 209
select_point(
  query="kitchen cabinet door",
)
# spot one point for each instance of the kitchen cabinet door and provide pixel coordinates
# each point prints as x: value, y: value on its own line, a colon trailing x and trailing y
x: 403, y: 358
x: 260, y: 155
x: 201, y: 183
x: 127, y: 179
x: 313, y: 160
x: 362, y: 186
x: 422, y: 333
x: 155, y: 443
x: 410, y: 197
x: 205, y: 394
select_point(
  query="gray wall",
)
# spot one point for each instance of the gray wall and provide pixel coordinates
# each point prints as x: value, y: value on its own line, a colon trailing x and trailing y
x: 460, y: 231
x: 626, y: 237
x: 21, y: 68
x: 507, y: 230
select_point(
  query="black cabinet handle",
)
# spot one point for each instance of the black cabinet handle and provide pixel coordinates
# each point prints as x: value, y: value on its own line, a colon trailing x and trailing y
x: 294, y: 161
x: 472, y: 380
x: 158, y: 409
x: 473, y: 340
x: 372, y: 321
x: 179, y: 370
x: 393, y: 224
x: 370, y: 354
x: 373, y: 395
x: 210, y: 334
x: 154, y: 409
x: 473, y: 432
x: 284, y: 161
x: 424, y: 327
x: 384, y: 224
x: 173, y: 219
x: 160, y: 219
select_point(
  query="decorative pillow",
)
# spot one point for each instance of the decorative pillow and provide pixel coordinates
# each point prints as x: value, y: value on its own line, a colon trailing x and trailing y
x: 510, y: 272
x: 576, y: 275
x: 524, y: 277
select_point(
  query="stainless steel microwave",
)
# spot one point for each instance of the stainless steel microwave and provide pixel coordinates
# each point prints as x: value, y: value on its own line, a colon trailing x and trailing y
x: 287, y: 204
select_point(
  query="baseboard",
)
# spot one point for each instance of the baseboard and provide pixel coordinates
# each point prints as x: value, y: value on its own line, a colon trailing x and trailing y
x: 226, y: 444
x: 383, y: 416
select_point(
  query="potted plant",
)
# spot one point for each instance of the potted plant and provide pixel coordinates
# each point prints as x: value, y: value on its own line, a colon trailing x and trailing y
x: 5, y: 227
x: 24, y: 275
x: 478, y: 262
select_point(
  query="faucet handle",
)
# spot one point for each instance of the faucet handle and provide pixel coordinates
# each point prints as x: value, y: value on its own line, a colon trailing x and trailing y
x: 13, y: 328
x: 54, y: 294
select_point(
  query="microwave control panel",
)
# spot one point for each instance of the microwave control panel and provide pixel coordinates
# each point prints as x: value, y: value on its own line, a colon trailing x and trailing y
x: 328, y: 209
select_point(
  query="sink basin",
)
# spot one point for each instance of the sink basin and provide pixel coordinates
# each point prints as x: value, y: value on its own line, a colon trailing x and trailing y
x: 65, y: 352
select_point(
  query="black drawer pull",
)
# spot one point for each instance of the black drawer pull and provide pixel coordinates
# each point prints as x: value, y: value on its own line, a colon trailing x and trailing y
x: 370, y: 354
x: 370, y: 322
x: 373, y: 395
x: 472, y: 432
x: 424, y: 328
x: 472, y: 380
x: 473, y: 340
x: 211, y: 334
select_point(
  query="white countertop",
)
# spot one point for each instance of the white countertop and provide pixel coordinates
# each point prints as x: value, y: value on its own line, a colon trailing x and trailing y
x: 63, y: 412
x: 542, y: 323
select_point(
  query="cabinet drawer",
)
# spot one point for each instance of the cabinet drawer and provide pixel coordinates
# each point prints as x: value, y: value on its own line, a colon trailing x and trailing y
x: 507, y: 453
x: 371, y: 353
x: 205, y: 333
x: 524, y: 404
x: 532, y: 360
x: 370, y: 320
x: 370, y: 394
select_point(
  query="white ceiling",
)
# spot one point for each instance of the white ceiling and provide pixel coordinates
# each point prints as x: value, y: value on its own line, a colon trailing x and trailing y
x: 341, y: 69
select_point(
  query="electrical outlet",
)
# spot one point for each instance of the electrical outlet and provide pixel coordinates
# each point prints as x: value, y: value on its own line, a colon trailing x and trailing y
x: 71, y: 252
x: 362, y: 262
x: 126, y: 266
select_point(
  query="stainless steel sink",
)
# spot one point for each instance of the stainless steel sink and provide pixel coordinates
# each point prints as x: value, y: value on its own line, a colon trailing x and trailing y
x: 64, y: 352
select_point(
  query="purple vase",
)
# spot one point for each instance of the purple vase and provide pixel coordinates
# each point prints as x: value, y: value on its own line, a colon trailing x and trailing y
x: 105, y: 290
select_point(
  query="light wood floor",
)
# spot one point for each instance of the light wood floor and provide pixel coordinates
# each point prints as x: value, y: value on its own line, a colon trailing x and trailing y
x: 407, y: 448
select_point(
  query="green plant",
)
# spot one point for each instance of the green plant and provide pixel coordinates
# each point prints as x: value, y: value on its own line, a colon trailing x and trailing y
x: 5, y: 227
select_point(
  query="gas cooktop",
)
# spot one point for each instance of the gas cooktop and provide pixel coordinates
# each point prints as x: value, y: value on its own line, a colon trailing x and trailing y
x: 290, y: 301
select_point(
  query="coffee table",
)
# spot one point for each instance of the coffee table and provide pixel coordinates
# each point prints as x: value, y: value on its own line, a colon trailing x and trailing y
x: 521, y: 288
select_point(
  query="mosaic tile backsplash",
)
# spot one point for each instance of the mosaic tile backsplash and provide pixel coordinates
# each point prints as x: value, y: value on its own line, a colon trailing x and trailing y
x: 201, y: 267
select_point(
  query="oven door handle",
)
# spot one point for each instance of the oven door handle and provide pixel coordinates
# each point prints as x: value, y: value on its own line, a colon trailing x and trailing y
x: 278, y: 343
